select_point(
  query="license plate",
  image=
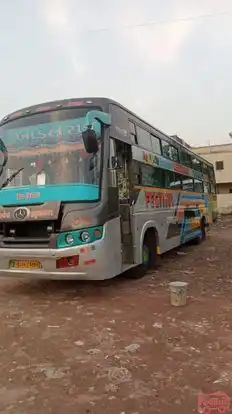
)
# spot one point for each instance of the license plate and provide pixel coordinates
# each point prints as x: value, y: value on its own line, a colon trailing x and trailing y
x: 25, y: 264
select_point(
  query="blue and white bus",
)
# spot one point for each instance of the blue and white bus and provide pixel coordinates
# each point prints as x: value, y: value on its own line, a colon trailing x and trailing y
x: 88, y: 189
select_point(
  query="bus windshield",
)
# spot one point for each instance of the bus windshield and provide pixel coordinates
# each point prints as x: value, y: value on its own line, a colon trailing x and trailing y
x: 47, y: 149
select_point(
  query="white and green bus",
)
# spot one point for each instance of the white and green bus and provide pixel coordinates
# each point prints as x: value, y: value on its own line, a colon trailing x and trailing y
x: 89, y: 190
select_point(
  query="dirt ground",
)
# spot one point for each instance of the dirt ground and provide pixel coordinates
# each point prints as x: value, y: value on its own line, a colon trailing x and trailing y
x: 118, y: 347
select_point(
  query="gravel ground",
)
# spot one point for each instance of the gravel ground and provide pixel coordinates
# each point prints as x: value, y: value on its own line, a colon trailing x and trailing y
x: 118, y: 347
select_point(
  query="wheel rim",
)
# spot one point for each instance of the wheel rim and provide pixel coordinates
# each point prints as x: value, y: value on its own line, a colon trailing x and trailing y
x: 145, y: 255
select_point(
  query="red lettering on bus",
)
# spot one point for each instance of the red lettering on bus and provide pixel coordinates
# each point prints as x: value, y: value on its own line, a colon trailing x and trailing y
x: 26, y: 196
x: 156, y: 202
x: 147, y: 197
x: 159, y: 200
x: 41, y: 213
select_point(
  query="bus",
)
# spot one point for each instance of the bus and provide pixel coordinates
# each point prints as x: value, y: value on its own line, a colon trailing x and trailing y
x: 88, y: 190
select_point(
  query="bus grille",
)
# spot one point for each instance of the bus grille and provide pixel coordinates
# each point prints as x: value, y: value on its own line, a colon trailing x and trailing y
x: 32, y: 235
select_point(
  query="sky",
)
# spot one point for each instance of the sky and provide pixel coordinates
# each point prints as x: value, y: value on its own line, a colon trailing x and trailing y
x: 169, y: 61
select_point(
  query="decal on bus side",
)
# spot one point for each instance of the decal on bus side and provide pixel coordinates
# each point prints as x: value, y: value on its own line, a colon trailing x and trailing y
x: 159, y: 199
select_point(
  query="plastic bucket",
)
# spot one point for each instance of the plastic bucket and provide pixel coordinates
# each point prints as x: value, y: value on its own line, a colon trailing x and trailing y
x: 178, y: 293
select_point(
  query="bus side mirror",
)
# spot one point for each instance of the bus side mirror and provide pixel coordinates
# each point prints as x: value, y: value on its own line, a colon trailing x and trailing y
x: 89, y: 135
x: 90, y: 141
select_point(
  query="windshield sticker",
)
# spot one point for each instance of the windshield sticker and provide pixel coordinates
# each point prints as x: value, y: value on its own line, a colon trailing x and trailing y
x: 48, y: 134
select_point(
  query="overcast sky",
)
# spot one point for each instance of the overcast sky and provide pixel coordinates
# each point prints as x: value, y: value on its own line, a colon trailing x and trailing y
x: 176, y: 74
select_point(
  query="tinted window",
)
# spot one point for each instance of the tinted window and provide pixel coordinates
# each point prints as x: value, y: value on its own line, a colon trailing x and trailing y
x: 198, y: 186
x: 135, y: 172
x: 177, y: 182
x: 155, y: 143
x: 144, y: 139
x: 206, y: 188
x: 151, y: 176
x: 186, y: 159
x: 212, y: 188
x: 211, y: 173
x: 132, y: 132
x: 196, y: 164
x: 205, y: 169
x: 158, y: 177
x: 187, y: 184
x: 172, y: 180
x: 169, y: 151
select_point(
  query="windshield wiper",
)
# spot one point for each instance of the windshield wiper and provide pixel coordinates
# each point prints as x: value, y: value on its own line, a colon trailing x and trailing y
x: 5, y: 184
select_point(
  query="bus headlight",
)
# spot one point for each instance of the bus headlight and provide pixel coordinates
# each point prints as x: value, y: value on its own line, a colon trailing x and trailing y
x: 85, y: 237
x: 69, y: 239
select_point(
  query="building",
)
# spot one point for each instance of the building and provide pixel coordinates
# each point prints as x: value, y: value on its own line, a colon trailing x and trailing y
x: 221, y: 157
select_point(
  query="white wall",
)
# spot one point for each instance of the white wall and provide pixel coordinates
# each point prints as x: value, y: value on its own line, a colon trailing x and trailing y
x: 224, y: 203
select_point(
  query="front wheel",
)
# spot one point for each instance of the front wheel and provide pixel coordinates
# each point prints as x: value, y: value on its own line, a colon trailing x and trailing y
x: 149, y: 255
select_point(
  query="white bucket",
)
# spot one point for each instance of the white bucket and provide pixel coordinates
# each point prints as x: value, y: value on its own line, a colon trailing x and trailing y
x: 178, y: 293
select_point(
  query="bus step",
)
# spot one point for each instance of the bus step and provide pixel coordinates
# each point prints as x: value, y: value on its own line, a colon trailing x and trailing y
x: 127, y: 252
x: 127, y: 238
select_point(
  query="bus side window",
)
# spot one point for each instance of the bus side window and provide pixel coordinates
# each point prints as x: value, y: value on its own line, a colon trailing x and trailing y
x: 206, y: 188
x: 177, y: 182
x: 132, y: 132
x: 197, y: 165
x: 144, y: 138
x: 212, y: 188
x: 187, y: 183
x: 156, y: 145
x: 186, y: 159
x: 211, y: 173
x: 151, y: 176
x: 205, y: 170
x: 169, y: 151
x: 172, y: 180
x: 198, y: 186
x: 135, y: 173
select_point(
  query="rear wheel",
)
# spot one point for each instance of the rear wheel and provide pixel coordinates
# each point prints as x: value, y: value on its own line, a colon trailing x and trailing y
x: 202, y: 236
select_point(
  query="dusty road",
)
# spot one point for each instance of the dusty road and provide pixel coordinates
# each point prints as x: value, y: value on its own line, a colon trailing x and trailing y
x: 119, y: 347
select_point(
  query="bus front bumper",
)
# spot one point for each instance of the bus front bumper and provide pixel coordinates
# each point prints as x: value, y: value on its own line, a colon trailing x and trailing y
x: 91, y: 263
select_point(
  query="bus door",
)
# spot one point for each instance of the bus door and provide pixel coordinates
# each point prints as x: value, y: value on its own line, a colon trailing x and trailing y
x: 123, y: 159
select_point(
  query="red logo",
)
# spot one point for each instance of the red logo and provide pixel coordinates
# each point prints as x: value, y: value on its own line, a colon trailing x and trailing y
x: 218, y: 402
x: 158, y: 199
x: 26, y: 196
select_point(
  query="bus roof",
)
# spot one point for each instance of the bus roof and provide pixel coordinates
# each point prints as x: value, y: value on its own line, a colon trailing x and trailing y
x: 94, y: 101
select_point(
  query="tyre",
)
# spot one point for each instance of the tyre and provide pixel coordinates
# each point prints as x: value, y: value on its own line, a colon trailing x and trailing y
x: 149, y: 255
x: 202, y: 236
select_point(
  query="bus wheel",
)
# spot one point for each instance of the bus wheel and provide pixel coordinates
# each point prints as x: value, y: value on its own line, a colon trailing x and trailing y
x: 149, y: 254
x: 202, y: 236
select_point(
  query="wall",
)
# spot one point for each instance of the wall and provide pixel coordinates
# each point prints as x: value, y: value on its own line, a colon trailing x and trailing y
x: 224, y: 188
x: 224, y: 203
x: 223, y: 177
